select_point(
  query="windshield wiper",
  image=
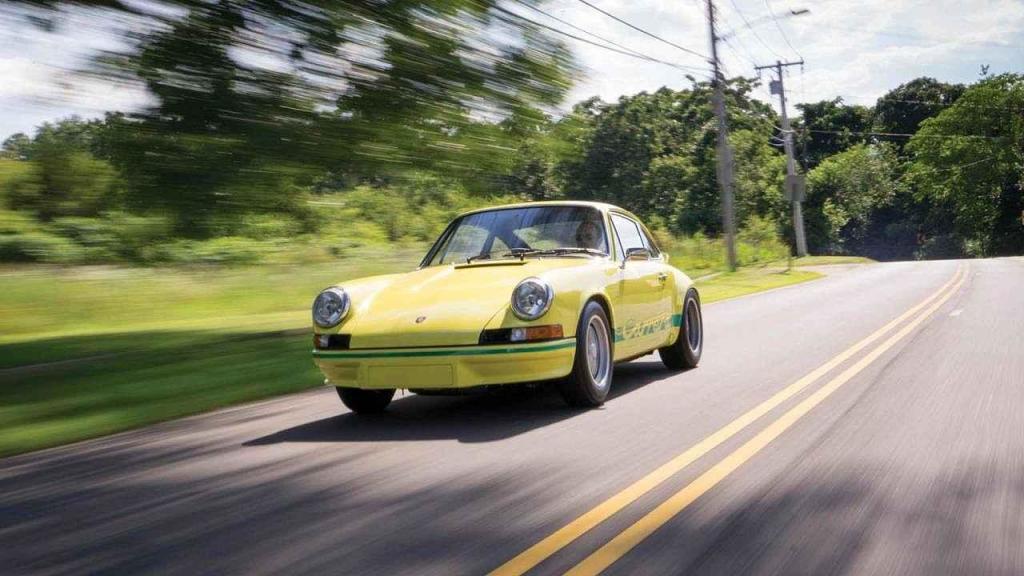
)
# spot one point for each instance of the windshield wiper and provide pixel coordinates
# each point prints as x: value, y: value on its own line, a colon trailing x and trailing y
x: 521, y: 252
x: 573, y: 250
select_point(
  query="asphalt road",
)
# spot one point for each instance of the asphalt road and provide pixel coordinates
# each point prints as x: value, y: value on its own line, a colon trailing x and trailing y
x: 904, y: 455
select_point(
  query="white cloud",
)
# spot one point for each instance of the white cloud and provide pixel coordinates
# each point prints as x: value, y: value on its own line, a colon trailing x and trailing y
x: 855, y: 50
x: 40, y: 71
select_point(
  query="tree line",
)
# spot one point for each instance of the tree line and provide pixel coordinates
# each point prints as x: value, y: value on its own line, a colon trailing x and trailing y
x: 259, y: 107
x: 932, y: 170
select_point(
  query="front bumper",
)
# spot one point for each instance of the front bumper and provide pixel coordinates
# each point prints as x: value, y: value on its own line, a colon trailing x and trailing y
x: 447, y: 367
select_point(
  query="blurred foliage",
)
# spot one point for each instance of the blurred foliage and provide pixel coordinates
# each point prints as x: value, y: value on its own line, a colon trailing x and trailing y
x: 279, y: 132
x: 255, y: 100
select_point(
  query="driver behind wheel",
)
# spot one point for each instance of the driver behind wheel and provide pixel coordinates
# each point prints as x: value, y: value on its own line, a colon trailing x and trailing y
x: 588, y: 235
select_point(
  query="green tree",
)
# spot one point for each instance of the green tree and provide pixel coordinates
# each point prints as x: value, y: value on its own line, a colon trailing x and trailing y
x: 63, y: 177
x: 969, y: 161
x: 16, y: 147
x: 904, y: 108
x: 253, y: 99
x: 841, y: 126
x: 843, y: 194
x: 655, y: 154
x: 759, y: 174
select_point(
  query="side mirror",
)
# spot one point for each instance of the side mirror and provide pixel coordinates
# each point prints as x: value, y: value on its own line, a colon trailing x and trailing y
x: 636, y: 254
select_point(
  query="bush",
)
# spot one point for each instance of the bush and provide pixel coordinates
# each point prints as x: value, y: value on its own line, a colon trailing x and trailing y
x: 940, y: 247
x: 415, y: 210
x: 263, y: 226
x: 758, y: 241
x: 37, y: 247
x: 19, y: 182
x: 116, y: 236
x: 227, y: 250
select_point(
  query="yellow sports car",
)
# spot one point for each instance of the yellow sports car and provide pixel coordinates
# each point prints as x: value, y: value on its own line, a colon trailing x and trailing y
x: 522, y: 293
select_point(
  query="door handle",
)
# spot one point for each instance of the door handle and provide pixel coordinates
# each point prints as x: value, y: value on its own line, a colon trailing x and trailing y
x: 662, y: 277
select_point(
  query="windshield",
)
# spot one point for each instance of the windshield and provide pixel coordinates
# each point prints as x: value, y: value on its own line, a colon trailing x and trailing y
x: 522, y: 232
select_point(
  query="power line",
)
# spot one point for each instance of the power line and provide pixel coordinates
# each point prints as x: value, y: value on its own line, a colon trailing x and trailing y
x: 781, y: 31
x: 751, y: 28
x: 727, y: 40
x: 913, y: 172
x: 733, y: 48
x: 896, y: 135
x: 579, y: 29
x: 631, y: 53
x: 642, y: 31
x: 749, y: 56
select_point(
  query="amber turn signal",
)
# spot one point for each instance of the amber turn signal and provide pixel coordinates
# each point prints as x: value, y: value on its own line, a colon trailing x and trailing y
x: 519, y: 335
x: 549, y: 332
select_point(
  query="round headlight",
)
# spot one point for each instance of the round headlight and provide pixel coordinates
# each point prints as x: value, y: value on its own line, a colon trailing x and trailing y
x: 330, y: 307
x: 532, y: 298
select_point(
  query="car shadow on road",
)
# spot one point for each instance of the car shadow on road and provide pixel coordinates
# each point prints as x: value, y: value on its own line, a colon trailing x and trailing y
x: 480, y: 417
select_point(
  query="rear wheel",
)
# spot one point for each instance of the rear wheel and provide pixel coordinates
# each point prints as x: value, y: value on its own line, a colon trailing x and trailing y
x: 591, y: 377
x: 363, y: 401
x: 685, y: 352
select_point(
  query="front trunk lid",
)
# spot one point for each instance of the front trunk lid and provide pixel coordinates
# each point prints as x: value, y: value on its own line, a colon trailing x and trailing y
x: 439, y: 305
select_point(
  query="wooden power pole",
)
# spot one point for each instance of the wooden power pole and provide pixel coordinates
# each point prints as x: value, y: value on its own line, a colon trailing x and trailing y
x: 725, y: 166
x: 794, y: 181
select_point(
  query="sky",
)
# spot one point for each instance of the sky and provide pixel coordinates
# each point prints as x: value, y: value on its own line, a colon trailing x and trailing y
x: 856, y: 50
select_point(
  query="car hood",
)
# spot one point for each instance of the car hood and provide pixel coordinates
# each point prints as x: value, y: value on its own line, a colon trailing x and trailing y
x: 440, y: 305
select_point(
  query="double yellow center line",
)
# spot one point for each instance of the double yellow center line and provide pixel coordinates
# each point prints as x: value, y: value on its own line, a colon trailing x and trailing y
x: 633, y: 535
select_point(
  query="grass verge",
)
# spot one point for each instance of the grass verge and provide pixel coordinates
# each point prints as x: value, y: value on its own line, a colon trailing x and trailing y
x: 750, y: 280
x: 828, y: 260
x: 59, y: 403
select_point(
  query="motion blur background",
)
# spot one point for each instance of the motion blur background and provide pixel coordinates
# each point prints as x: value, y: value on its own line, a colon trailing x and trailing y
x: 158, y: 250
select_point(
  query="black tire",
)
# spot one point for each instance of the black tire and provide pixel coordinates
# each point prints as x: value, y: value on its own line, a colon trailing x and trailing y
x: 591, y: 377
x: 363, y: 401
x: 684, y: 353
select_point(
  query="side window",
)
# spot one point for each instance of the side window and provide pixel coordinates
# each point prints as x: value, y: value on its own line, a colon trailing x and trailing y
x: 628, y: 233
x: 649, y: 243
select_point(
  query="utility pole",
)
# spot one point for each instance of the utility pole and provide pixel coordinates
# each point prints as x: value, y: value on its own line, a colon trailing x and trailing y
x: 794, y: 182
x: 725, y: 175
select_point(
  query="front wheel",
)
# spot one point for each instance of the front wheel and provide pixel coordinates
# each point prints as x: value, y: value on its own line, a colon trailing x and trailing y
x: 685, y: 352
x: 591, y: 377
x: 363, y: 401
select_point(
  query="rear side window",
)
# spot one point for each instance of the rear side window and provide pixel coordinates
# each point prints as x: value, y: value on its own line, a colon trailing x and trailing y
x: 628, y: 233
x: 649, y: 242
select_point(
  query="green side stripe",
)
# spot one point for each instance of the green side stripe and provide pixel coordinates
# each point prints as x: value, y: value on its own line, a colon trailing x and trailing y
x: 677, y: 320
x: 467, y: 351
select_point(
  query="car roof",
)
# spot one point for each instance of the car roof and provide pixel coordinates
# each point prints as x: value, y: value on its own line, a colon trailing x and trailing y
x: 601, y: 206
